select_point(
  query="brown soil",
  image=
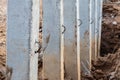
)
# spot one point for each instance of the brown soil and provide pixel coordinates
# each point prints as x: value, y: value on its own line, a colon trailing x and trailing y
x: 2, y: 27
x: 105, y: 68
x: 110, y: 39
x: 2, y: 39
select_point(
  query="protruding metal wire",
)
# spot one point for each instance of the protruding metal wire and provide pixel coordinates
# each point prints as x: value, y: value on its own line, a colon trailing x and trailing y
x: 80, y: 21
x: 91, y: 21
x: 64, y: 29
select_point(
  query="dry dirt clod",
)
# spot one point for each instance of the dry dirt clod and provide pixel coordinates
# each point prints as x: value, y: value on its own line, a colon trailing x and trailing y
x: 109, y: 70
x: 110, y: 39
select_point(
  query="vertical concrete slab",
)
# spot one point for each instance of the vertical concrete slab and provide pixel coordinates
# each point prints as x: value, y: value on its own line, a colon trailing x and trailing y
x: 52, y: 44
x: 84, y: 35
x: 70, y: 37
x: 100, y: 24
x: 92, y: 29
x: 98, y: 20
x: 22, y: 35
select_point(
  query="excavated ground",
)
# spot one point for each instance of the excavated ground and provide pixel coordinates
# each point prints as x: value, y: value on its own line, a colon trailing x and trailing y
x: 105, y: 68
x: 110, y: 29
x: 2, y: 39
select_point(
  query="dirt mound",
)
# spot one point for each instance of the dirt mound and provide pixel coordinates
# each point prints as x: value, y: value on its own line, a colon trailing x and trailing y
x: 3, y: 69
x: 105, y: 68
x: 5, y: 72
x: 3, y: 27
x: 110, y: 39
x: 114, y: 0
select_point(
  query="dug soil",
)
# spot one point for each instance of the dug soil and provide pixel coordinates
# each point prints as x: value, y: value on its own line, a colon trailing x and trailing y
x: 110, y: 39
x: 107, y: 67
x: 2, y: 39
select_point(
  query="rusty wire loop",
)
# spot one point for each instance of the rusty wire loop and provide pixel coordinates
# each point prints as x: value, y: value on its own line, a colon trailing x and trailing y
x: 64, y: 29
x: 91, y: 21
x: 80, y: 22
x: 100, y: 18
x: 38, y: 47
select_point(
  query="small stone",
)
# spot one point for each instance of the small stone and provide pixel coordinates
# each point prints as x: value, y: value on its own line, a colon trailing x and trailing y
x: 114, y: 23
